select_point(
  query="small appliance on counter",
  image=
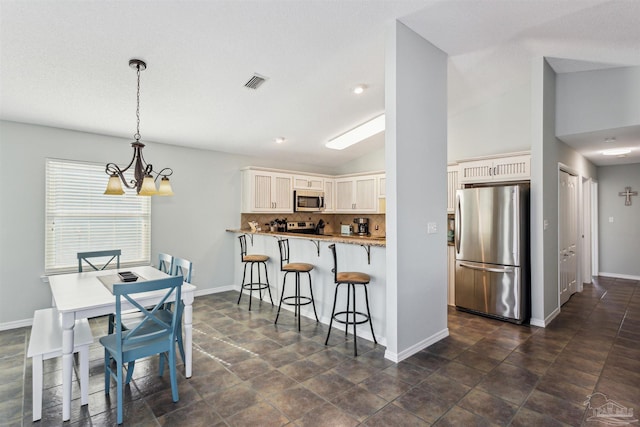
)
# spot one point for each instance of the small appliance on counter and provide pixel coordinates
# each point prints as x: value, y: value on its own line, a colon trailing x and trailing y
x: 346, y: 230
x: 362, y: 226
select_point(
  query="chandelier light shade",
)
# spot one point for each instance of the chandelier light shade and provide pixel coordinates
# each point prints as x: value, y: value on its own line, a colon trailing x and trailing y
x: 144, y: 176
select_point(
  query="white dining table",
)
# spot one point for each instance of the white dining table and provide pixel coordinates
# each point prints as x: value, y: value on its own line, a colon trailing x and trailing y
x: 83, y: 295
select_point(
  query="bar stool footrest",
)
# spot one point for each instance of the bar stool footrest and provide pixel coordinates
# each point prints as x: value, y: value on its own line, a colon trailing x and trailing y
x: 255, y: 286
x: 298, y: 300
x: 350, y: 322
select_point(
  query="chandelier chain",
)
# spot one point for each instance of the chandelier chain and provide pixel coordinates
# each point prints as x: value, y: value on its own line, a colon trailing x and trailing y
x: 137, y: 134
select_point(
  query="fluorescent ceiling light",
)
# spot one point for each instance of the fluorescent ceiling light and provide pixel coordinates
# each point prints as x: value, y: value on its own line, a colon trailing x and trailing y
x: 362, y: 132
x: 616, y: 151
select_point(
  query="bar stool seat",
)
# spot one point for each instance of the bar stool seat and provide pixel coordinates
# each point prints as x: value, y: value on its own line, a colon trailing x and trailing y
x: 297, y: 300
x: 253, y: 260
x: 353, y: 277
x: 350, y: 316
x: 302, y: 267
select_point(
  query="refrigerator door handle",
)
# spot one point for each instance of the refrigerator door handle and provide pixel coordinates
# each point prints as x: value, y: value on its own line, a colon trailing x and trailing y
x: 458, y: 232
x: 489, y: 269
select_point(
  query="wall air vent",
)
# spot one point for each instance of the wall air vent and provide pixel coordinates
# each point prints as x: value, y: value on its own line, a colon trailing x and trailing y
x: 255, y: 81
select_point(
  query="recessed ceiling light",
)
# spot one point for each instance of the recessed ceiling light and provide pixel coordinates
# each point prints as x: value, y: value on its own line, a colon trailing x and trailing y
x: 616, y: 151
x: 280, y: 139
x: 359, y: 89
x: 357, y: 134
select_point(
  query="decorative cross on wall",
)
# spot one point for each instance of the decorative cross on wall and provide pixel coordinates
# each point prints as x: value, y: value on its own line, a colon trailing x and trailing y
x: 627, y: 193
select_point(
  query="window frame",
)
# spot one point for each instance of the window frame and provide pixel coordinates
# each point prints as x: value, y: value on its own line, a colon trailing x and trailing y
x: 79, y: 217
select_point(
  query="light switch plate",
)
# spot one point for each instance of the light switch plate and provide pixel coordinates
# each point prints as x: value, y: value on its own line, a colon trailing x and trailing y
x: 432, y: 228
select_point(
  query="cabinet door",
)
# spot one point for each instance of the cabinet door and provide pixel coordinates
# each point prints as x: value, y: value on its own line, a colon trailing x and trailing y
x: 452, y: 186
x: 382, y: 194
x: 269, y: 192
x: 512, y: 168
x: 304, y: 182
x: 344, y: 195
x: 262, y: 192
x: 475, y: 171
x: 329, y: 195
x: 366, y: 197
x: 283, y: 195
x: 382, y: 186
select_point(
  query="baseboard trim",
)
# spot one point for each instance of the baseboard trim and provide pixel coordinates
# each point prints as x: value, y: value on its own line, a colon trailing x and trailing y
x: 398, y: 357
x: 619, y: 276
x: 544, y: 323
x: 16, y: 324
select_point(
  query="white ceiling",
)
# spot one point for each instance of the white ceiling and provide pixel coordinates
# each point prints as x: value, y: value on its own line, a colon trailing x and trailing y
x: 65, y: 64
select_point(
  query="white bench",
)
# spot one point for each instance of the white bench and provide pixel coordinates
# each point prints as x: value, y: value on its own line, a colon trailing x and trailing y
x: 46, y: 343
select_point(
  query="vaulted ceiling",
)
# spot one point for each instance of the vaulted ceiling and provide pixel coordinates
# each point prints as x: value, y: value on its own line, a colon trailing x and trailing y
x: 65, y: 63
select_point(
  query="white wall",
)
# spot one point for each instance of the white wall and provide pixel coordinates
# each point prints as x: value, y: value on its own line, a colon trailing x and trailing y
x: 619, y: 240
x: 416, y: 159
x: 372, y: 161
x: 501, y: 125
x: 190, y: 224
x: 547, y: 153
x: 595, y: 100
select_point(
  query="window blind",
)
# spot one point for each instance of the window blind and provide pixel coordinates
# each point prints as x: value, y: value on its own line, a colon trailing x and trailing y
x: 79, y: 217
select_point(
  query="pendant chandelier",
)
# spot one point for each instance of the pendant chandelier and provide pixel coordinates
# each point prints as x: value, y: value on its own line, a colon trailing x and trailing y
x: 144, y: 176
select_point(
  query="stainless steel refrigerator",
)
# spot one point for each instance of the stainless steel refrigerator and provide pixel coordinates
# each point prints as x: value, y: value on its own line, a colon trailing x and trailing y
x: 492, y: 251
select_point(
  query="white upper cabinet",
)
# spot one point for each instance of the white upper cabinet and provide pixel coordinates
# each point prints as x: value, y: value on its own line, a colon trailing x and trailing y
x: 452, y: 186
x: 507, y: 168
x: 308, y: 182
x: 382, y: 185
x: 357, y: 194
x: 264, y: 191
x: 329, y: 195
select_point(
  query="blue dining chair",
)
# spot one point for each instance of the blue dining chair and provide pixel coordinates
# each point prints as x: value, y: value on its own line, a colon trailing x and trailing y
x: 165, y: 263
x: 153, y: 335
x: 86, y: 257
x: 181, y: 267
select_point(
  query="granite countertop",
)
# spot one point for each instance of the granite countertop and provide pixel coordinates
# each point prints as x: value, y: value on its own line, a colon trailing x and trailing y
x: 329, y: 237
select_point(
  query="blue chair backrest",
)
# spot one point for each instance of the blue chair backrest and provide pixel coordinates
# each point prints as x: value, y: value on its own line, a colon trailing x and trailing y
x: 165, y: 263
x: 84, y: 256
x: 182, y: 267
x: 151, y: 330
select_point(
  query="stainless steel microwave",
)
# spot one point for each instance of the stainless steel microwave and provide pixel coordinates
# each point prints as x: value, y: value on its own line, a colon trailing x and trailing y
x: 308, y: 201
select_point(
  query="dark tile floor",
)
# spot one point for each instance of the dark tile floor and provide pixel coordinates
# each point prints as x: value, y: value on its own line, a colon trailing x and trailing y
x: 249, y: 372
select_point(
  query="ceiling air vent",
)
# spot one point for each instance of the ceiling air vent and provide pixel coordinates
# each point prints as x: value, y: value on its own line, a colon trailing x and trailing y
x: 255, y: 81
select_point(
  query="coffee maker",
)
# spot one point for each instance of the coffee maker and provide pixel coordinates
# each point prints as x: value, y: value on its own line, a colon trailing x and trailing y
x: 362, y: 227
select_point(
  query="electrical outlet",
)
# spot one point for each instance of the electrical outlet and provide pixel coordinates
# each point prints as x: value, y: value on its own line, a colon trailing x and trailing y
x: 610, y: 219
x: 431, y: 228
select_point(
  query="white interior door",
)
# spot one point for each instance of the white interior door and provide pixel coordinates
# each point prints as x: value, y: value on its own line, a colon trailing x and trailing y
x: 586, y: 231
x: 567, y: 235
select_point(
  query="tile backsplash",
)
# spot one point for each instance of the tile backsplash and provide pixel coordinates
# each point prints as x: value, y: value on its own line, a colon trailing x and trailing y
x: 332, y: 221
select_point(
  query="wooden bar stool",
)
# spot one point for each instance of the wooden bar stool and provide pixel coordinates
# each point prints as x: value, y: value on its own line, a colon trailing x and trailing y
x: 253, y: 260
x: 350, y: 315
x: 297, y: 300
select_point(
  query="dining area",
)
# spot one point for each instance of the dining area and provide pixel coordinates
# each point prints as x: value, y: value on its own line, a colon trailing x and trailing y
x: 147, y: 311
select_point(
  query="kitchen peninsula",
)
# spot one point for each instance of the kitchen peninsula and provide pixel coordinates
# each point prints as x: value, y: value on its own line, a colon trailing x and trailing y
x: 355, y: 253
